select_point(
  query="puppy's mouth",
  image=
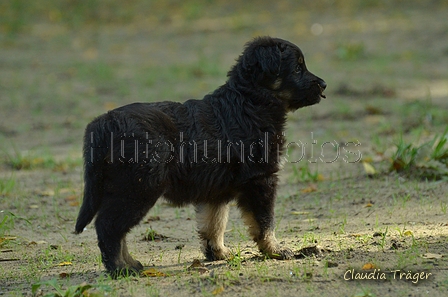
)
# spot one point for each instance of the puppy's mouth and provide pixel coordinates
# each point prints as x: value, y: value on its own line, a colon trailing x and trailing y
x: 321, y: 94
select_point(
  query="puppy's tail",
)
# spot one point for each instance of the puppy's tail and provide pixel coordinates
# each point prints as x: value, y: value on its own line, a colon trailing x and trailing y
x: 94, y: 154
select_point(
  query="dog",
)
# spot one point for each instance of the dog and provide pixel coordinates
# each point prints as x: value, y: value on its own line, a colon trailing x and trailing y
x: 225, y: 147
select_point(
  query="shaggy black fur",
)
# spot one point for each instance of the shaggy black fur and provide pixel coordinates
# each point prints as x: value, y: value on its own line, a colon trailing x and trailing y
x: 207, y: 152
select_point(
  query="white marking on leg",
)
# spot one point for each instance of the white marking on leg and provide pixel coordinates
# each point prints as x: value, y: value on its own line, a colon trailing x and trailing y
x: 265, y: 239
x: 212, y: 221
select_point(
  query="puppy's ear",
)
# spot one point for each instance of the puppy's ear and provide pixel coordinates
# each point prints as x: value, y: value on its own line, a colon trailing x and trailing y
x: 269, y: 58
x: 263, y: 61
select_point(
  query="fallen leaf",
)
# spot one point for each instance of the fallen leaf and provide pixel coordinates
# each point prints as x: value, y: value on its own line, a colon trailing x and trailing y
x: 368, y: 266
x: 408, y: 233
x: 218, y: 290
x: 48, y: 192
x: 309, y: 189
x: 151, y: 219
x: 64, y: 264
x: 7, y: 238
x: 432, y: 256
x: 71, y: 198
x: 320, y: 177
x: 355, y: 235
x: 369, y: 169
x: 198, y: 266
x: 369, y: 205
x: 196, y: 263
x: 64, y: 275
x: 152, y: 272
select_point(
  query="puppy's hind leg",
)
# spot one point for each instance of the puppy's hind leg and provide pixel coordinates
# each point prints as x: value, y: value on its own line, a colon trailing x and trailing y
x: 131, y: 262
x: 115, y: 219
x: 212, y: 221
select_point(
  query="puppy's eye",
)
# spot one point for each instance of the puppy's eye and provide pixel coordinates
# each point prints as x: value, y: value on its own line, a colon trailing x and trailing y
x: 298, y: 69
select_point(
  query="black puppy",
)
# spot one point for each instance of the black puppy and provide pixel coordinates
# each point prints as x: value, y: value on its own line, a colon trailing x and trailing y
x: 206, y: 152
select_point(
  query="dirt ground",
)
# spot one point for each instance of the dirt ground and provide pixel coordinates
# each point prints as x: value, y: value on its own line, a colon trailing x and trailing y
x: 354, y: 234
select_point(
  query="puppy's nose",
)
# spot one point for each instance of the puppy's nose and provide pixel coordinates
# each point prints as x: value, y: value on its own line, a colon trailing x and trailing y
x: 323, y: 85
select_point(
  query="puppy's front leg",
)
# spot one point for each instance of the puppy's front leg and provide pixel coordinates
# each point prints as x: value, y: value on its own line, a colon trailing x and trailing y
x: 257, y: 207
x: 212, y: 221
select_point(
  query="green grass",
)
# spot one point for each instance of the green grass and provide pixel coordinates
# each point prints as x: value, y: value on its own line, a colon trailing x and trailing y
x: 236, y: 260
x: 72, y: 291
x: 305, y: 173
x: 428, y: 160
x: 7, y: 185
x: 443, y: 207
x: 30, y: 160
x: 8, y: 221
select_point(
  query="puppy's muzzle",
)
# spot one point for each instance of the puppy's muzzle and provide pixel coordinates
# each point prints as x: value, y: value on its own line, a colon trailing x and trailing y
x: 322, y: 86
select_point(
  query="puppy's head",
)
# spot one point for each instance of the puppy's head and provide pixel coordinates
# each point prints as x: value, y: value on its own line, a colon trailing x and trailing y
x: 278, y: 66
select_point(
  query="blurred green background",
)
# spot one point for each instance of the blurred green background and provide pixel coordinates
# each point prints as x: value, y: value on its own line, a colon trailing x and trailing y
x: 64, y: 62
